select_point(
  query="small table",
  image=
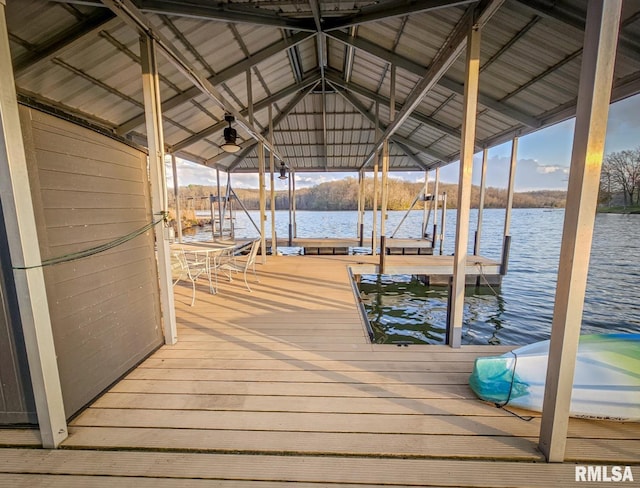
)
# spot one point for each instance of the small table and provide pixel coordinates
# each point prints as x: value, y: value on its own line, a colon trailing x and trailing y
x: 208, y: 254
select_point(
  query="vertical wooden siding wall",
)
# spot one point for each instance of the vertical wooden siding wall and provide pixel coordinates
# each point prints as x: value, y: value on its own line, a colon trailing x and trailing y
x: 87, y: 190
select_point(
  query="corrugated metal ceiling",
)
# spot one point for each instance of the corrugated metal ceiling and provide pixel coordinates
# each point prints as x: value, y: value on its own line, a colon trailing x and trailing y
x: 78, y: 58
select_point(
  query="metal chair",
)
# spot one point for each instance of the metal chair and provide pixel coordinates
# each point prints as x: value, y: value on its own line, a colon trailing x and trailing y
x: 219, y: 260
x: 192, y: 266
x: 243, y: 267
x: 179, y: 269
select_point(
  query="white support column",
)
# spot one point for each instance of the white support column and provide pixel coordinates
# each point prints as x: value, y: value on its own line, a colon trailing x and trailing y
x: 261, y: 175
x: 443, y: 220
x: 290, y: 211
x: 483, y: 184
x: 384, y: 187
x: 22, y: 235
x: 249, y: 97
x: 220, y: 211
x: 155, y: 143
x: 229, y: 204
x: 176, y: 195
x: 454, y: 329
x: 359, y: 224
x: 436, y: 189
x: 272, y: 169
x: 293, y: 203
x: 600, y: 40
x: 263, y: 203
x: 506, y: 240
x: 374, y: 230
x: 511, y: 186
x: 425, y: 206
x: 385, y: 155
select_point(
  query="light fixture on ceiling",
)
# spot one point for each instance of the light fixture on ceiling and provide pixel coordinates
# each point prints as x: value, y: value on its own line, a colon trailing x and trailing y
x: 283, y: 171
x: 230, y: 136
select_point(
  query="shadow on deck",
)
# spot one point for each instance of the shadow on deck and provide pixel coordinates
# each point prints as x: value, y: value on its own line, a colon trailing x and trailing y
x: 281, y: 386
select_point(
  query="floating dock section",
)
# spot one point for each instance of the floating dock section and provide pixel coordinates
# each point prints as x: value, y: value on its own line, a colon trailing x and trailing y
x: 339, y: 246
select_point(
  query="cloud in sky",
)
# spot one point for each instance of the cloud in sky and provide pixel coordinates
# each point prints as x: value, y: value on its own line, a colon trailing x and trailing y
x: 530, y: 174
x: 191, y: 173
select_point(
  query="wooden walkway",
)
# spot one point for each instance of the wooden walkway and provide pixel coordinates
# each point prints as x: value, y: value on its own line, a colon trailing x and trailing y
x: 280, y: 388
x: 330, y: 245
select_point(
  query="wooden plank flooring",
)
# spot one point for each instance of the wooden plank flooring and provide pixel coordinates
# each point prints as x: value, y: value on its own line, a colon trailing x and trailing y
x: 281, y: 386
x: 91, y: 467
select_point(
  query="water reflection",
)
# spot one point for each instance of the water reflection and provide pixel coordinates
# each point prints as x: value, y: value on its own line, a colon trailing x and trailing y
x: 402, y: 309
x: 523, y: 310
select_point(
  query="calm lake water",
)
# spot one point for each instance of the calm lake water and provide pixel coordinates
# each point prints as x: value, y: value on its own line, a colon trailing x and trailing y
x: 520, y: 312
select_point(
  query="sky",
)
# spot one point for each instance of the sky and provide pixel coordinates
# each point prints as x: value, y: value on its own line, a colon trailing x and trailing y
x: 543, y: 158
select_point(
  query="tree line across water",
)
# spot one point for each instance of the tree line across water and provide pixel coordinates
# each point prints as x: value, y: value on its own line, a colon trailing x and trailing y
x: 343, y: 195
x: 620, y: 178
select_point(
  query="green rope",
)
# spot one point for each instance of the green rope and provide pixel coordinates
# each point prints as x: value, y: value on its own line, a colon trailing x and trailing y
x: 98, y: 249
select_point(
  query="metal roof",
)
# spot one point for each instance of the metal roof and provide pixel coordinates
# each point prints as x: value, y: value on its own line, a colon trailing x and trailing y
x: 323, y: 65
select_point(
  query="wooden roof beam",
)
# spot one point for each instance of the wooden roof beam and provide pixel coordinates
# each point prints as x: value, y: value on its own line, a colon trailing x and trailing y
x: 335, y: 79
x: 628, y: 45
x: 446, y: 56
x: 264, y: 103
x: 276, y: 121
x: 403, y: 143
x: 446, y: 82
x: 200, y: 9
x: 221, y: 77
x: 321, y: 44
x: 133, y: 17
x: 67, y: 39
x: 385, y: 10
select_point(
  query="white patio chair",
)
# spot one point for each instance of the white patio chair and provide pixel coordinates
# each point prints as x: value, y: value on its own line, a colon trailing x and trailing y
x: 243, y: 266
x: 179, y: 269
x: 219, y: 260
x: 192, y: 266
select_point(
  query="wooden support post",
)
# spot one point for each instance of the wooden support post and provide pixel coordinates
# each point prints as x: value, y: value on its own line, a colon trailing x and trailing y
x: 425, y: 206
x: 155, y: 142
x: 293, y: 203
x: 226, y: 201
x: 263, y: 203
x: 290, y: 214
x: 19, y: 220
x: 384, y: 187
x: 483, y: 184
x: 594, y: 93
x: 360, y: 206
x: 436, y: 196
x: 249, y: 97
x: 176, y: 195
x: 385, y: 155
x: 506, y: 241
x: 220, y: 212
x: 374, y: 230
x: 272, y: 169
x: 443, y: 220
x: 261, y: 176
x: 454, y: 336
x: 229, y: 204
x: 212, y: 212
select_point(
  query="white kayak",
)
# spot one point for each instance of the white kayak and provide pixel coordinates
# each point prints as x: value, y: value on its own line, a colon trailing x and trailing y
x: 606, y: 382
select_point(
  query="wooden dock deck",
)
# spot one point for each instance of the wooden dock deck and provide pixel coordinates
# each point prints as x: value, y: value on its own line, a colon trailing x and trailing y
x: 280, y: 387
x: 341, y: 246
